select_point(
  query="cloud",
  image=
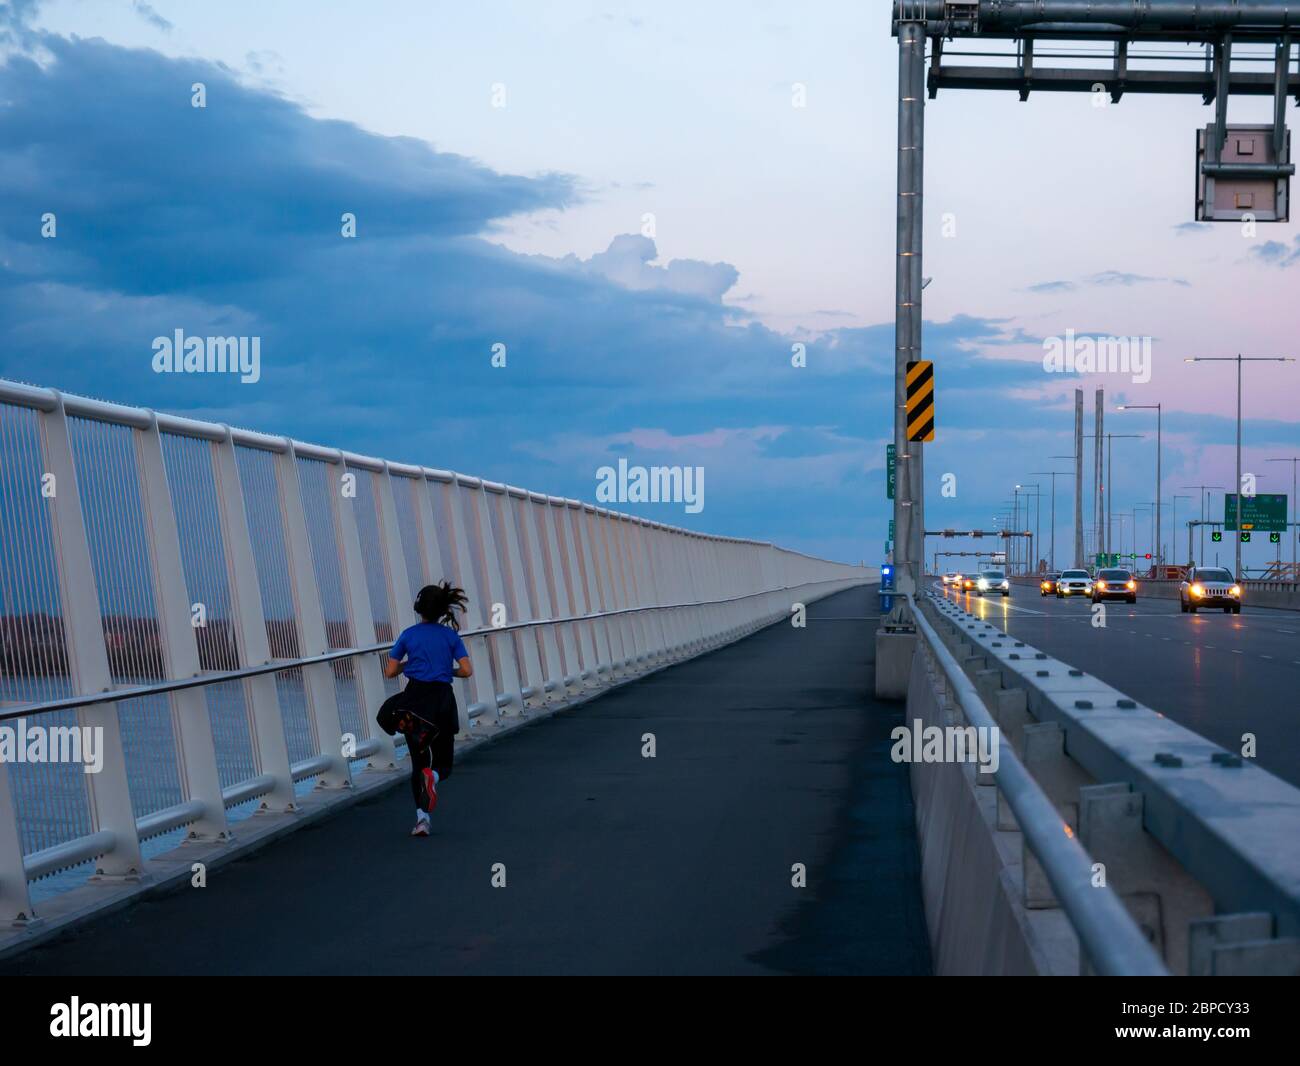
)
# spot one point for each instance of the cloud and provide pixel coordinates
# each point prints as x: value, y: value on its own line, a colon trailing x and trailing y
x: 628, y: 261
x: 225, y: 221
x: 1185, y: 228
x: 1276, y: 253
x: 1105, y: 279
x: 146, y: 12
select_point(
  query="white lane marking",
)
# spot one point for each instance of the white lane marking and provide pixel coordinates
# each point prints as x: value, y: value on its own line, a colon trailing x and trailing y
x: 1266, y: 656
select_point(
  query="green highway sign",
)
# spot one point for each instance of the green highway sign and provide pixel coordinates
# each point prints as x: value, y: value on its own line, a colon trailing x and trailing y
x: 891, y: 531
x: 1262, y: 513
x: 890, y: 465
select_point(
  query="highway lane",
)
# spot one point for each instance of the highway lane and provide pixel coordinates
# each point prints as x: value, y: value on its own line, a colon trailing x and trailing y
x: 1220, y: 675
x: 769, y: 752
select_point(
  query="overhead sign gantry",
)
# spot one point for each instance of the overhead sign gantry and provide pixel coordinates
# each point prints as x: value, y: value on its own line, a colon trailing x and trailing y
x: 1242, y: 172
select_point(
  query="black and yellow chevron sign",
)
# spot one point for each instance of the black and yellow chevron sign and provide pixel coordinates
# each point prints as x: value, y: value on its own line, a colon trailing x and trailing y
x: 920, y: 401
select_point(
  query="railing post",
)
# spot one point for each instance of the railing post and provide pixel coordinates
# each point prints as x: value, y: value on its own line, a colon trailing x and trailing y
x: 367, y: 669
x: 568, y: 592
x: 249, y: 620
x: 401, y: 590
x: 598, y: 526
x: 626, y: 559
x: 645, y: 533
x: 197, y: 763
x: 537, y: 550
x: 15, y: 901
x: 566, y: 518
x: 503, y: 641
x: 516, y: 598
x: 479, y: 690
x: 591, y: 587
x: 83, y: 632
x: 629, y: 625
x: 317, y: 678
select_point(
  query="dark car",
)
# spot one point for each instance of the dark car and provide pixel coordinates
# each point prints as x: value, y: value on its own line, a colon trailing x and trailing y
x: 1048, y: 585
x: 1209, y: 586
x: 1114, y: 585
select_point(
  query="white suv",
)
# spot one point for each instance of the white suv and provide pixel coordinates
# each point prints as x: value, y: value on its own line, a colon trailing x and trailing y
x: 1074, y: 583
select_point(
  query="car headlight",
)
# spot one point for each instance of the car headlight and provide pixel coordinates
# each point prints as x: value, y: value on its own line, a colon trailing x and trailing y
x: 1101, y: 584
x: 1131, y: 585
x: 1198, y: 590
x: 1235, y: 590
x: 983, y: 584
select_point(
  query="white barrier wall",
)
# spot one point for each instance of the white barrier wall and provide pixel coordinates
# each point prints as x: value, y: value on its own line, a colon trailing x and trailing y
x: 216, y: 602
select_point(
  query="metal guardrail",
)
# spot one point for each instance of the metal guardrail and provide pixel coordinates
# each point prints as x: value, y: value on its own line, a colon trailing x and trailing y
x: 1112, y: 940
x: 117, y: 524
x: 1230, y: 825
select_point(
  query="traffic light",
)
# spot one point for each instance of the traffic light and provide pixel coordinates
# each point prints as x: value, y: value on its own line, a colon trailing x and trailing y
x: 1147, y: 556
x: 1217, y: 537
x: 1245, y: 537
x: 1275, y: 538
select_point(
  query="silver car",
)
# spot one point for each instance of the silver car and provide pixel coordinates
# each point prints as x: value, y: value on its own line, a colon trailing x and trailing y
x: 992, y: 582
x: 1209, y: 586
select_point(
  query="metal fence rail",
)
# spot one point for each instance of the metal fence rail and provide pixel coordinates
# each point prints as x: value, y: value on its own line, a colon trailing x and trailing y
x: 212, y: 602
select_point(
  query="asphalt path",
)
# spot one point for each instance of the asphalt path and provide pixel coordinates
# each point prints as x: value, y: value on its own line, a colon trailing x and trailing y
x: 1218, y: 674
x: 769, y: 753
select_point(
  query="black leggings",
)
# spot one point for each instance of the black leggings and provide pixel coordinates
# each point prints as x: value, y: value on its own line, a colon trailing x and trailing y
x: 426, y: 715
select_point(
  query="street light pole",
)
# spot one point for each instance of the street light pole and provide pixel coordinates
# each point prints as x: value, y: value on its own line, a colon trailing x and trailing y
x: 1173, y: 522
x: 1109, y: 495
x: 1052, y: 526
x: 1295, y: 570
x: 1204, y: 495
x: 1159, y: 410
x: 1239, y: 359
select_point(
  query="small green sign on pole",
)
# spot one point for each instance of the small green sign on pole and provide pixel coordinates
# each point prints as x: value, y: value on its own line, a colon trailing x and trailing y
x: 890, y: 467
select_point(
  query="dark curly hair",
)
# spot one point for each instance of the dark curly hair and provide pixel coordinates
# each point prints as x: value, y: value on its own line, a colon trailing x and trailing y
x: 439, y: 603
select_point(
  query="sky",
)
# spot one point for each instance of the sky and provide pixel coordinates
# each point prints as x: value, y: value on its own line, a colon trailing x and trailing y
x: 628, y: 198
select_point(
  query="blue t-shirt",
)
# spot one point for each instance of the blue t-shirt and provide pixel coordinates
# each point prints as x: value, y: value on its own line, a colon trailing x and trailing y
x: 431, y: 651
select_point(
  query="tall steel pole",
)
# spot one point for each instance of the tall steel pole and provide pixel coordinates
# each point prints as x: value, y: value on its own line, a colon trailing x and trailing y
x: 1239, y: 359
x: 1053, y: 473
x: 1203, y: 493
x: 1097, y: 486
x: 909, y: 497
x: 1295, y: 570
x: 1157, y: 553
x: 1078, y: 478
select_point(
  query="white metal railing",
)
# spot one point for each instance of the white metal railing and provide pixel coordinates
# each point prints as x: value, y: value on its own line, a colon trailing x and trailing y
x: 214, y: 601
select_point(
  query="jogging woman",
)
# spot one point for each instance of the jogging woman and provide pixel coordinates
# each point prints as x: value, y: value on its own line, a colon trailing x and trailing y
x: 430, y: 653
